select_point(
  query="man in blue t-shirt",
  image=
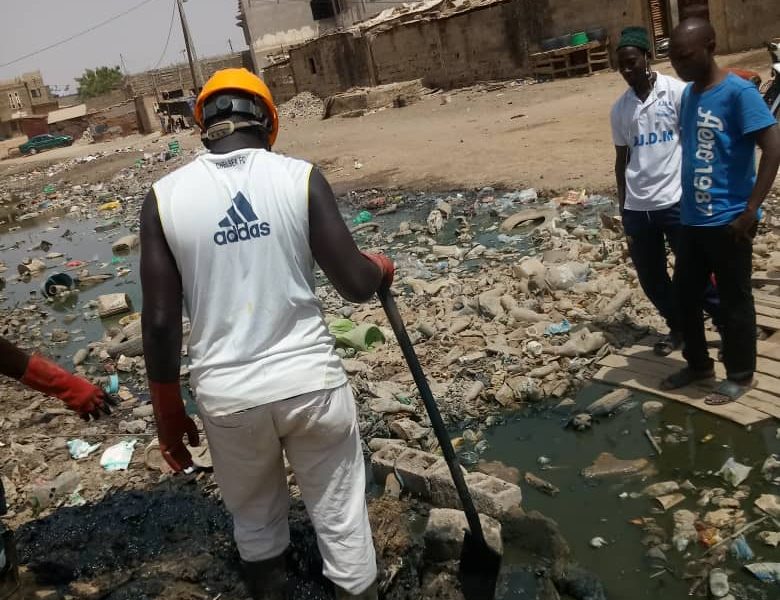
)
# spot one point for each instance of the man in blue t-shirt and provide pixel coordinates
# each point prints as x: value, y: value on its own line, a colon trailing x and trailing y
x: 722, y: 120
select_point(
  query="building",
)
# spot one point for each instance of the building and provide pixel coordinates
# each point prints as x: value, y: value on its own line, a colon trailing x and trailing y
x: 273, y: 26
x: 176, y: 81
x: 23, y: 97
x: 451, y: 43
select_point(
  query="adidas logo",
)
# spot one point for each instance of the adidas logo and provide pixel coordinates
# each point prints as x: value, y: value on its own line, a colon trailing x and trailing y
x: 241, y: 224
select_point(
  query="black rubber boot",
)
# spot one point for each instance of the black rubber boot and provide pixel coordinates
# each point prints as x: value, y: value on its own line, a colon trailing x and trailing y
x: 370, y: 594
x: 266, y: 579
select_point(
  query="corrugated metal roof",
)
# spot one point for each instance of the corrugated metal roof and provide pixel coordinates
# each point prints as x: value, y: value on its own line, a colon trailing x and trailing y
x: 64, y: 114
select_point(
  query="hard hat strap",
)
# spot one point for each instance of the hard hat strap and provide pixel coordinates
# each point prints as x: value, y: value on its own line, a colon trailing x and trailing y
x: 222, y: 129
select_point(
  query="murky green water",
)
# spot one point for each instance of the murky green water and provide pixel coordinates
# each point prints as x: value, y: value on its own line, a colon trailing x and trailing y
x: 585, y: 509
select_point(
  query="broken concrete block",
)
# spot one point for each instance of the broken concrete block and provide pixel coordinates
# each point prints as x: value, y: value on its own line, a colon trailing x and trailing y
x: 125, y: 244
x: 383, y: 461
x: 411, y: 468
x: 387, y: 406
x: 408, y: 430
x: 113, y: 304
x: 607, y: 465
x: 493, y: 496
x: 441, y: 485
x: 609, y: 403
x: 377, y: 444
x: 444, y: 534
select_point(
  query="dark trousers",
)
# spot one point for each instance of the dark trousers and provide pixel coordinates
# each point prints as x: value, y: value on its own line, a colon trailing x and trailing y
x: 648, y: 234
x: 706, y: 250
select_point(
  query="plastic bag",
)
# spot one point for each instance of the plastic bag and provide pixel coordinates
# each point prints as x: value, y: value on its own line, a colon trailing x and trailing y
x: 81, y: 449
x: 734, y: 472
x: 118, y: 457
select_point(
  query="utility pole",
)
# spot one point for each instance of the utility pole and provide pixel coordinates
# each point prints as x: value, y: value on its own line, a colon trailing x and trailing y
x: 248, y: 35
x: 230, y: 45
x: 197, y: 75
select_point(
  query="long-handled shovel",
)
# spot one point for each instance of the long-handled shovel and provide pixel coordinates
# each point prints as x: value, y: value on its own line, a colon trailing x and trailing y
x: 479, y: 563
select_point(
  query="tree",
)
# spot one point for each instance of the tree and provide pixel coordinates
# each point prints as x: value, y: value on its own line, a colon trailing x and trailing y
x: 99, y: 81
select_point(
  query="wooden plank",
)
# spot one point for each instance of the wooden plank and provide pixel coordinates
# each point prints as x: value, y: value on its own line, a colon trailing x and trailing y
x: 767, y: 322
x: 642, y: 360
x: 769, y: 350
x: 763, y: 402
x: 691, y: 396
x: 767, y: 311
x: 764, y: 278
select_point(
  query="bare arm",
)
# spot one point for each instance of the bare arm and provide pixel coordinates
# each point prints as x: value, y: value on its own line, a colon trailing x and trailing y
x: 354, y: 277
x: 769, y: 141
x: 13, y: 361
x: 622, y: 155
x: 162, y: 291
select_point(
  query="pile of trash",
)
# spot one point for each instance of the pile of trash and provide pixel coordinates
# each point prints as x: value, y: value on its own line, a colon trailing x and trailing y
x: 303, y: 106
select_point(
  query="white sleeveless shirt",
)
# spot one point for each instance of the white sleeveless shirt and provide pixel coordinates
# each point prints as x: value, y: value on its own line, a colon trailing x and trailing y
x: 238, y: 227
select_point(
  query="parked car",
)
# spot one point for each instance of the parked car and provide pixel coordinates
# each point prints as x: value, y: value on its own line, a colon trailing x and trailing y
x: 45, y: 142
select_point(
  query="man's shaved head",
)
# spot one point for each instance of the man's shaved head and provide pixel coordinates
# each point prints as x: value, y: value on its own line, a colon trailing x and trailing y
x: 692, y: 49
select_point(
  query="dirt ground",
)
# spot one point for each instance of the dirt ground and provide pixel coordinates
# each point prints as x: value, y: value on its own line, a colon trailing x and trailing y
x: 553, y: 136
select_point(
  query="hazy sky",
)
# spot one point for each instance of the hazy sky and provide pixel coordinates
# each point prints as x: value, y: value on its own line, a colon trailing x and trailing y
x: 27, y: 25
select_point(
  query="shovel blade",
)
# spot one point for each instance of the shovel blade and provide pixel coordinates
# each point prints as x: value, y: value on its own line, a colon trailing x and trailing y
x: 479, y: 568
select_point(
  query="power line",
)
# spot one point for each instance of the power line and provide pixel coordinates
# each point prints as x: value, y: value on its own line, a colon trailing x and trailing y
x: 168, y: 40
x: 77, y: 35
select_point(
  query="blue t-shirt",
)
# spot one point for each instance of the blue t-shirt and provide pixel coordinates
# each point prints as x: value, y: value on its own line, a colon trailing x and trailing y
x: 719, y: 147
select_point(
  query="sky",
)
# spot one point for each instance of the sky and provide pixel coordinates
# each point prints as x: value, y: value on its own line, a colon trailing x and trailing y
x: 139, y: 36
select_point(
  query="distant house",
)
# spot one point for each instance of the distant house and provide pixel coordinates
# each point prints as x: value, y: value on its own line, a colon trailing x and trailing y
x: 23, y: 97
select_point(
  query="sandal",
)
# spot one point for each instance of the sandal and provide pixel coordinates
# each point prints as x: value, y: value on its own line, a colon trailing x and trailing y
x: 685, y: 377
x: 728, y: 391
x: 667, y: 345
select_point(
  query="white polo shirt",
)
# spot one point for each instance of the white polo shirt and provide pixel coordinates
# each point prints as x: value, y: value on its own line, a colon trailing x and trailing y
x: 651, y: 131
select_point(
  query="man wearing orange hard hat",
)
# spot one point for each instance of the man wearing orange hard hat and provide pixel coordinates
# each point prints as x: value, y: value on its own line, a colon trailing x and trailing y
x: 234, y: 236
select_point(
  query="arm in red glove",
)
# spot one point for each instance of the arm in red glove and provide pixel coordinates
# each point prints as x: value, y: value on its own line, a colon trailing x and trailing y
x: 78, y: 393
x: 173, y: 424
x: 385, y: 265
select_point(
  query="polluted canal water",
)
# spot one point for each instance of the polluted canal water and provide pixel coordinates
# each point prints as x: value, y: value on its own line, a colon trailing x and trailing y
x: 510, y: 299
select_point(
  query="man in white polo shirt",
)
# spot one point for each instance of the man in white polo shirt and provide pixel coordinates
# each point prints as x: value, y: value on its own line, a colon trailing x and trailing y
x: 646, y: 133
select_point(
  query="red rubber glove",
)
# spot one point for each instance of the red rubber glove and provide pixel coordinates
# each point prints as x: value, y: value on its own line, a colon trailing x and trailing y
x: 173, y: 424
x: 79, y: 394
x: 386, y: 267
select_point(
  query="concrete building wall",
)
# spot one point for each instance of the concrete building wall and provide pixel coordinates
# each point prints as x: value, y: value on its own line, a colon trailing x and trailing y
x: 279, y: 78
x: 744, y: 24
x: 331, y: 64
x: 274, y: 25
x: 570, y: 16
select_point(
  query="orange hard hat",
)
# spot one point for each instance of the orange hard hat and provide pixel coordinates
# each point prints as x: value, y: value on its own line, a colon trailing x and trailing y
x: 239, y: 80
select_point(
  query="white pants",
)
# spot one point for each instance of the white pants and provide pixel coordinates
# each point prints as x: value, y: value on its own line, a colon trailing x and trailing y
x: 319, y: 434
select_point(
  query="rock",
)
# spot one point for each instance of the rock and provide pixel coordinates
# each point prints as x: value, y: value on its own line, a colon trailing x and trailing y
x: 444, y: 534
x: 771, y: 469
x: 44, y: 494
x: 505, y: 395
x: 459, y: 324
x: 473, y: 392
x: 408, y: 430
x: 59, y: 335
x: 661, y: 489
x: 770, y: 538
x: 540, y: 484
x: 542, y: 372
x: 446, y: 251
x: 719, y: 583
x: 651, y: 408
x: 146, y: 410
x: 581, y: 343
x: 500, y: 470
x: 125, y: 244
x: 377, y: 444
x: 80, y: 356
x: 354, y: 367
x: 617, y: 303
x: 132, y: 347
x: 525, y: 315
x: 609, y: 403
x: 490, y: 303
x: 770, y: 504
x: 581, y: 422
x: 723, y: 517
x: 137, y: 426
x: 387, y: 406
x: 113, y: 304
x: 154, y: 460
x: 125, y: 364
x: 607, y: 465
x: 466, y: 359
x: 392, y: 487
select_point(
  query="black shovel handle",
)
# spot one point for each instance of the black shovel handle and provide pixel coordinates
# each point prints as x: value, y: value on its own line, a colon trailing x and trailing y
x: 388, y: 303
